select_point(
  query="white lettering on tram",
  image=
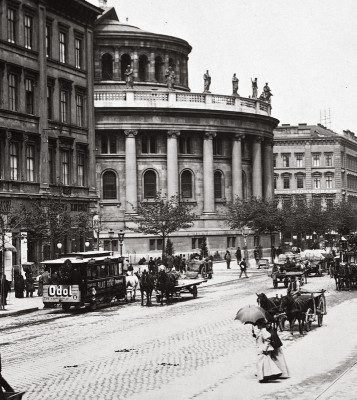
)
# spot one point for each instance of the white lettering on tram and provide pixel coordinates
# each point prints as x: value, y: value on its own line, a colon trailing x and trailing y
x: 60, y: 291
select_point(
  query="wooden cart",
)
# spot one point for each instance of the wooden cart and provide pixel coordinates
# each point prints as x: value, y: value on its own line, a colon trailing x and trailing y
x: 183, y: 286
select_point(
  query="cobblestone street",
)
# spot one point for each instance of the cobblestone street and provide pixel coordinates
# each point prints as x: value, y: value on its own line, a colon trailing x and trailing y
x: 190, y: 349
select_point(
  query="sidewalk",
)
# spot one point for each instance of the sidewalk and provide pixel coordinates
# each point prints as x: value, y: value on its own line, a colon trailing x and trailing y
x: 221, y: 274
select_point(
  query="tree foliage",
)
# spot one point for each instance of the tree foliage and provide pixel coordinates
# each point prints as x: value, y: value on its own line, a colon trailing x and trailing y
x: 163, y: 216
x: 169, y: 248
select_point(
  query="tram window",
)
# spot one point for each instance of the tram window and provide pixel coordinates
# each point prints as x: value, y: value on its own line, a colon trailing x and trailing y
x: 116, y: 269
x: 104, y: 271
x: 111, y: 269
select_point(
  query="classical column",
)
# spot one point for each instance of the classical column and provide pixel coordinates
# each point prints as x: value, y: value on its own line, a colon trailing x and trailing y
x: 268, y: 170
x: 208, y: 178
x: 257, y: 167
x: 237, y: 182
x: 116, y: 69
x: 135, y: 65
x: 130, y: 172
x: 172, y: 163
x: 152, y: 67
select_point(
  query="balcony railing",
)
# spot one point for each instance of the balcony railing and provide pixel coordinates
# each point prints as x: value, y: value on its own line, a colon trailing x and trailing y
x: 171, y: 100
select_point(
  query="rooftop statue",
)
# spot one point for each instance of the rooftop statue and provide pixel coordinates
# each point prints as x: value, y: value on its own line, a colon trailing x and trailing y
x: 266, y: 95
x: 207, y: 82
x: 170, y: 77
x: 129, y: 77
x: 235, y: 82
x: 254, y: 88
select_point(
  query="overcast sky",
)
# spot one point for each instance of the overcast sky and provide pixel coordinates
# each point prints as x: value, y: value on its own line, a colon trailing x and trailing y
x: 305, y: 49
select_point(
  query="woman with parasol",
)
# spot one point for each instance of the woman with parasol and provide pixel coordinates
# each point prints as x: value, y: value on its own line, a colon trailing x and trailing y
x: 267, y: 369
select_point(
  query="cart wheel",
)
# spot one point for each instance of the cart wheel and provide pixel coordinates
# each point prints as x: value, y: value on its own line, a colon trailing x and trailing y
x: 275, y: 284
x: 203, y: 272
x: 66, y: 306
x: 308, y: 321
x: 194, y: 292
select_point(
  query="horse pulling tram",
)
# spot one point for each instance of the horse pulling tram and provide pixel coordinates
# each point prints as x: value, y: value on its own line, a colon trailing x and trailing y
x: 84, y: 279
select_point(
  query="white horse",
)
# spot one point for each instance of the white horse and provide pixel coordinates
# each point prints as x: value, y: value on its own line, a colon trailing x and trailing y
x: 132, y: 283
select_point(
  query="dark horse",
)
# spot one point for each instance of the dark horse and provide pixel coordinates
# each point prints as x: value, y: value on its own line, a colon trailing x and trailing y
x: 295, y: 308
x: 272, y: 306
x: 165, y: 284
x: 147, y: 285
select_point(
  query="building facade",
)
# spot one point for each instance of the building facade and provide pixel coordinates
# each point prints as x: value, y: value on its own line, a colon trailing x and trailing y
x: 154, y: 137
x: 313, y: 163
x: 46, y: 105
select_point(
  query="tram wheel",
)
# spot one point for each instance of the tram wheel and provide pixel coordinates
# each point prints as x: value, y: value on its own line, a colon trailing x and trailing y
x: 93, y: 306
x: 66, y: 306
x: 194, y: 292
x: 308, y: 321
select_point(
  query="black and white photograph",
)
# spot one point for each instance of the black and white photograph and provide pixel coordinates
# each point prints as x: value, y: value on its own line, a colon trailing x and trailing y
x: 178, y: 200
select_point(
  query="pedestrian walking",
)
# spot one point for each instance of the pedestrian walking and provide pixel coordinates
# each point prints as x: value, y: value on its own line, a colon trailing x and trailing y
x: 183, y: 265
x: 243, y: 268
x: 239, y: 255
x: 19, y: 285
x: 151, y: 266
x: 256, y: 257
x: 7, y: 289
x: 30, y: 284
x: 228, y: 258
x: 267, y: 369
x: 278, y: 355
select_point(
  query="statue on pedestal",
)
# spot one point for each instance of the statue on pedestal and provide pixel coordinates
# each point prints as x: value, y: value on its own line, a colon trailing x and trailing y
x: 254, y: 88
x: 235, y: 82
x: 170, y: 77
x: 207, y: 82
x: 266, y: 95
x: 129, y: 77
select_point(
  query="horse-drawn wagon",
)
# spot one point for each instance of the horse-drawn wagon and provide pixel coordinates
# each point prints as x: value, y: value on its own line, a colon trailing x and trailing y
x: 200, y: 267
x: 182, y: 286
x: 282, y: 272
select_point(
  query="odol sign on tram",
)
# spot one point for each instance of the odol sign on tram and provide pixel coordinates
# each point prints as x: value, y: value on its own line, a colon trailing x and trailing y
x: 61, y: 294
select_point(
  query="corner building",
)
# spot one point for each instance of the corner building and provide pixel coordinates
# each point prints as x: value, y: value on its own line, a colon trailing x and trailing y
x: 206, y: 148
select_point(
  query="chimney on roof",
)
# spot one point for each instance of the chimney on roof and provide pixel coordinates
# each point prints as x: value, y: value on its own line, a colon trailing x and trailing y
x: 102, y: 3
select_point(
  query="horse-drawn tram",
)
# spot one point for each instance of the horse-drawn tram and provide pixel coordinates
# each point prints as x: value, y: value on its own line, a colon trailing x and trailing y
x: 84, y: 279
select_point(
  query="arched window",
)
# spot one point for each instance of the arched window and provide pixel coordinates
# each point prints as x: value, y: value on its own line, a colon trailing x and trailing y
x: 109, y: 185
x: 107, y: 67
x: 186, y: 184
x: 218, y: 185
x: 159, y: 69
x: 149, y: 185
x: 143, y: 68
x: 125, y: 61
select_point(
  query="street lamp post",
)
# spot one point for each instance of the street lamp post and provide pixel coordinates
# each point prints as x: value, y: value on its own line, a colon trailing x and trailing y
x: 121, y: 240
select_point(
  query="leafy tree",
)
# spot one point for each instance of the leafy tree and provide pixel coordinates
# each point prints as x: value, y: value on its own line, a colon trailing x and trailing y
x: 169, y: 248
x: 204, y: 248
x: 163, y: 216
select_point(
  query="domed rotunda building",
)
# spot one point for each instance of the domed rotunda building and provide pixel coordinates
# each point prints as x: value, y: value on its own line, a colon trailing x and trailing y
x: 155, y: 135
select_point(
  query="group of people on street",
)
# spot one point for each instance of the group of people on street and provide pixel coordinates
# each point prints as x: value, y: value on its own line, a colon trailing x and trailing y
x: 241, y: 262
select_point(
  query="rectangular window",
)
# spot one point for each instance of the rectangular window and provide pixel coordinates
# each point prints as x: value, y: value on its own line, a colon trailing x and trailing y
x: 231, y: 241
x: 108, y: 143
x: 79, y: 109
x: 14, y: 161
x: 217, y: 147
x: 12, y: 92
x: 148, y: 144
x: 328, y: 182
x: 30, y: 163
x: 274, y: 161
x: 11, y: 25
x: 65, y: 167
x: 328, y: 160
x: 300, y: 182
x: 317, y: 203
x: 48, y: 40
x: 329, y: 204
x: 275, y: 182
x: 197, y: 243
x: 285, y: 161
x: 317, y: 182
x: 51, y: 165
x: 80, y: 169
x: 185, y: 146
x: 64, y: 106
x: 78, y: 53
x: 286, y: 182
x: 49, y: 102
x: 28, y: 32
x: 63, y: 47
x: 29, y: 96
x: 155, y: 244
x: 316, y: 160
x: 299, y: 160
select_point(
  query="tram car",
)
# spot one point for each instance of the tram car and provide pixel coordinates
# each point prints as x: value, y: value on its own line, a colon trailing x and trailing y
x: 84, y: 279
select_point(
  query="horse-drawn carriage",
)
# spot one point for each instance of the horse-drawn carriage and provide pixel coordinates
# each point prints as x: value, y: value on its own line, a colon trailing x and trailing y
x: 197, y: 267
x: 282, y: 272
x: 304, y: 307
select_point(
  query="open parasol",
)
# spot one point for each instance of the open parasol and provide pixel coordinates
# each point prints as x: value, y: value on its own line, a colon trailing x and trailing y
x: 251, y: 314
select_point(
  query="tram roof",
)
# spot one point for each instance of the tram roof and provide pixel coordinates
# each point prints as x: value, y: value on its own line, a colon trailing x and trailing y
x: 77, y: 258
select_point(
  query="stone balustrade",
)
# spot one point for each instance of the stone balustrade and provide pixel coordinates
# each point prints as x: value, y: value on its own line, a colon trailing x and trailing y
x: 204, y: 101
